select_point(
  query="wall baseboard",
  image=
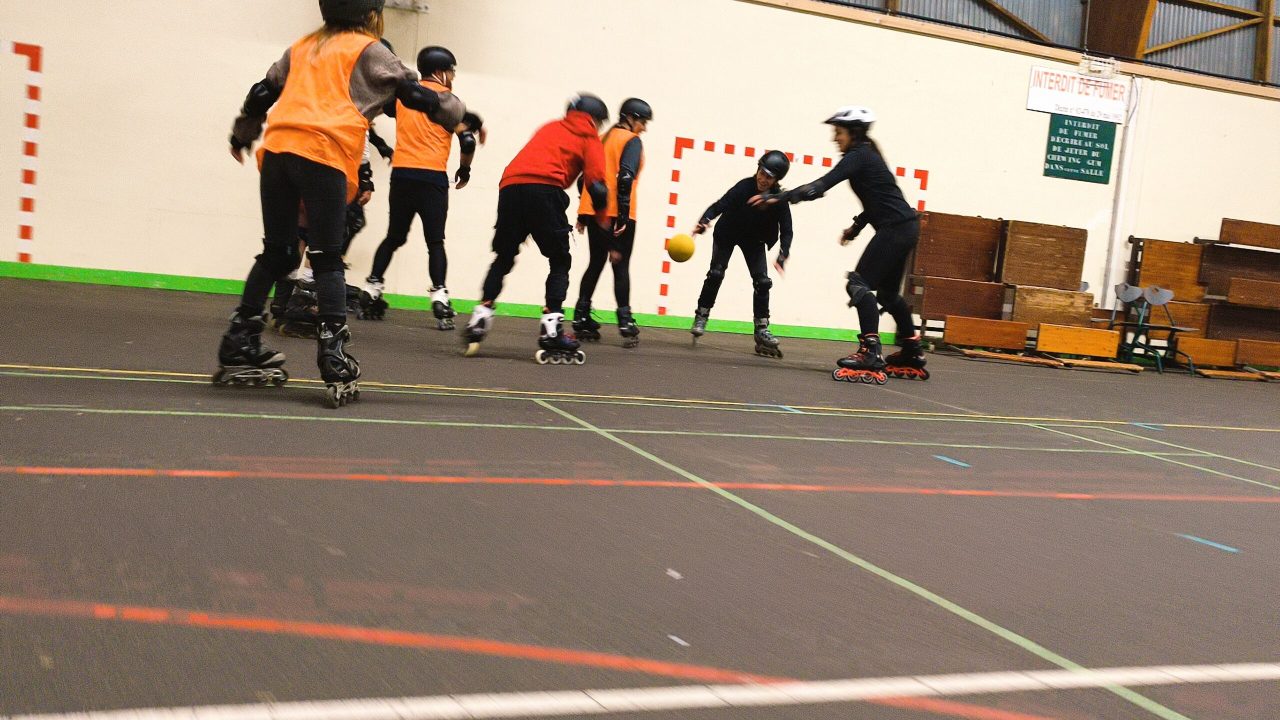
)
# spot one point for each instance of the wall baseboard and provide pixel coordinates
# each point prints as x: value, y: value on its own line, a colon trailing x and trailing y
x: 219, y: 286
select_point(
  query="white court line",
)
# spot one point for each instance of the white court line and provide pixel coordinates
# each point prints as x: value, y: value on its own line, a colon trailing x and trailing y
x: 689, y: 697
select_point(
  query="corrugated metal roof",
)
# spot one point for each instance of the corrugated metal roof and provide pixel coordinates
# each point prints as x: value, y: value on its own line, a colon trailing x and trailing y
x: 1060, y: 20
x: 960, y: 12
x: 1230, y: 54
x: 1174, y: 22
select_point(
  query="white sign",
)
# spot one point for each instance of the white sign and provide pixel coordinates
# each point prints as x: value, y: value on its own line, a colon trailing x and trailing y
x: 1069, y: 93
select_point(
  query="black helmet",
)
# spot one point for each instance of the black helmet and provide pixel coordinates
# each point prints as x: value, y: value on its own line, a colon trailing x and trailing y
x: 635, y: 108
x: 591, y: 105
x: 349, y: 12
x: 433, y: 58
x: 775, y: 164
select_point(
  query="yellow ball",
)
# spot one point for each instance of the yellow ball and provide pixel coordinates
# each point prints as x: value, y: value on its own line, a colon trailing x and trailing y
x: 680, y: 247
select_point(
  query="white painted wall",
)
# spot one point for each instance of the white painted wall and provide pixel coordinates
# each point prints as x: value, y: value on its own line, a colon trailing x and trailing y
x: 135, y: 175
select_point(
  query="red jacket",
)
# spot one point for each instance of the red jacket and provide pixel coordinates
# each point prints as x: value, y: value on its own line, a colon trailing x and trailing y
x: 557, y: 153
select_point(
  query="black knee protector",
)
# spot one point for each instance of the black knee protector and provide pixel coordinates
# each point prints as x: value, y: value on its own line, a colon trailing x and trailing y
x: 280, y: 260
x: 762, y: 284
x: 857, y: 289
x: 325, y: 262
x: 716, y: 273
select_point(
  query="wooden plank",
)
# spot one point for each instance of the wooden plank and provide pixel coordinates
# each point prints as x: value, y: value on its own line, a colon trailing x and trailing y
x: 984, y: 355
x: 1256, y: 293
x: 1272, y: 376
x: 1035, y: 305
x: 957, y: 246
x: 1258, y: 353
x: 1077, y: 341
x: 1174, y: 266
x: 978, y: 332
x: 1220, y: 263
x: 1235, y: 322
x: 935, y: 298
x: 1209, y: 353
x: 1243, y: 232
x: 1042, y: 255
x: 1101, y: 365
x: 1188, y: 314
x: 1230, y: 375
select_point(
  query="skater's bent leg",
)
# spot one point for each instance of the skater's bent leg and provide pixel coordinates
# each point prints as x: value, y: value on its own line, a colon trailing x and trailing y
x: 437, y: 262
x: 720, y: 254
x: 900, y: 312
x: 498, y: 270
x: 558, y: 279
x: 599, y: 244
x: 862, y: 299
x: 622, y: 269
x: 755, y: 255
x: 399, y: 220
x: 279, y: 256
x: 324, y: 193
x: 434, y: 210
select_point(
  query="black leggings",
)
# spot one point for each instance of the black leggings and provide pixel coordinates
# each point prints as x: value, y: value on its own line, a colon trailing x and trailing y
x: 410, y: 198
x: 537, y: 210
x: 755, y: 255
x: 882, y: 266
x: 601, y: 241
x: 286, y: 181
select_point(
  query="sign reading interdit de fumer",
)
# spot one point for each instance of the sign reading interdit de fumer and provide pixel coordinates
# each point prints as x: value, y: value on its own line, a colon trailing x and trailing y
x: 1064, y: 92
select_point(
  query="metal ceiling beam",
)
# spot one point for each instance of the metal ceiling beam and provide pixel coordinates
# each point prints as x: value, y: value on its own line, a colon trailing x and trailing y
x: 1008, y: 15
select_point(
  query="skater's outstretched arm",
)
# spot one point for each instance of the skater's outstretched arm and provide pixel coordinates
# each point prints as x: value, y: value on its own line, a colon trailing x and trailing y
x: 380, y: 145
x: 816, y: 189
x: 735, y: 195
x: 467, y: 132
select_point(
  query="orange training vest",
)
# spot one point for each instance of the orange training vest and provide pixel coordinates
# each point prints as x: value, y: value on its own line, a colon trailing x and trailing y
x: 420, y: 143
x: 315, y: 117
x: 614, y: 141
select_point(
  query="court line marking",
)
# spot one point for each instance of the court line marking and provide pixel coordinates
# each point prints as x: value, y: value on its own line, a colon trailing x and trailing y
x: 1161, y: 458
x: 920, y: 591
x: 1210, y: 543
x: 953, y: 461
x: 572, y: 703
x: 814, y: 488
x: 334, y: 418
x: 1208, y: 453
x: 661, y: 400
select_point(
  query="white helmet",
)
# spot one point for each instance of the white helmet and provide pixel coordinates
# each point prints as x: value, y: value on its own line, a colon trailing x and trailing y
x: 852, y: 115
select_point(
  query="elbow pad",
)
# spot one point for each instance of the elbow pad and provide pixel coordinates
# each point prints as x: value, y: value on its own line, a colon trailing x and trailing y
x: 811, y: 191
x: 416, y: 97
x: 472, y: 121
x: 599, y: 193
x: 260, y: 99
x: 467, y: 142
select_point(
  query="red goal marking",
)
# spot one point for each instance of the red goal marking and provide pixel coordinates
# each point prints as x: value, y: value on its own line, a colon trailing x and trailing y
x: 683, y: 144
x: 27, y: 163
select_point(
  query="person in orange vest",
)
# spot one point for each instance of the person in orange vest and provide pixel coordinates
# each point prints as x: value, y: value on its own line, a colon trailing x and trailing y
x: 532, y: 201
x: 623, y: 161
x: 420, y: 186
x: 321, y: 95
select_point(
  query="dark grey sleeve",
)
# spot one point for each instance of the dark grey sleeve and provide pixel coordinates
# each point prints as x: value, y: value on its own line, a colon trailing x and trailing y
x: 628, y: 169
x: 247, y: 127
x: 380, y: 76
x: 734, y: 195
x: 816, y: 189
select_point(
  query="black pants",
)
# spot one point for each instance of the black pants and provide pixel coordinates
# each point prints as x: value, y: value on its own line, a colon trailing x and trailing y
x: 755, y: 255
x: 601, y: 241
x: 286, y: 181
x: 882, y: 266
x: 426, y: 200
x: 537, y: 210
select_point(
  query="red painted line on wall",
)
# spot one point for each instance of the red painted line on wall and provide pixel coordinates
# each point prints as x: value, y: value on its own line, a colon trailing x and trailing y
x: 709, y: 146
x: 675, y: 176
x: 923, y: 177
x: 34, y: 55
x: 673, y: 199
x: 750, y: 152
x: 728, y: 149
x: 682, y: 144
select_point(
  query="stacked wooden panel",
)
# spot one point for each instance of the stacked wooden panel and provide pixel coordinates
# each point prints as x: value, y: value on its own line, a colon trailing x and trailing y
x: 1046, y: 256
x: 1174, y: 266
x: 1243, y: 232
x: 954, y: 267
x: 1244, y: 283
x: 1035, y: 305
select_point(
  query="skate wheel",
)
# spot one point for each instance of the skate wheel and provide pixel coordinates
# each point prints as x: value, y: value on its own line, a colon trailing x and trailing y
x: 333, y: 397
x: 580, y: 358
x: 541, y: 357
x: 219, y: 377
x: 472, y: 350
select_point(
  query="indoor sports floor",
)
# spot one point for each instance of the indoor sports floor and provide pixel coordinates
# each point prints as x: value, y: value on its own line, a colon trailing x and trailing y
x: 487, y: 537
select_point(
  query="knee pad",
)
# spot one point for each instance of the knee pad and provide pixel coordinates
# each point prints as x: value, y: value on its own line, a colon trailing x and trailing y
x: 857, y: 289
x: 323, y: 262
x: 280, y: 260
x: 715, y: 273
x: 762, y: 284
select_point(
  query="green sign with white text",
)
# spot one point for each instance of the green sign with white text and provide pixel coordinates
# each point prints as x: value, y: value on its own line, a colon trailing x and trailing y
x: 1079, y: 149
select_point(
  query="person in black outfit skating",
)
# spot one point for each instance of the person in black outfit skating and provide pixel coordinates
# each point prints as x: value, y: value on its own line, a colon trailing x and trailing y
x: 754, y: 230
x: 878, y: 275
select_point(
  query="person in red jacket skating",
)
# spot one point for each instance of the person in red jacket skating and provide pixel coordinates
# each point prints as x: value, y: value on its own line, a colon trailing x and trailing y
x: 532, y: 201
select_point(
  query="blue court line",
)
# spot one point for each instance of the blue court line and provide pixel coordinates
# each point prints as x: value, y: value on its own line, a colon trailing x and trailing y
x: 788, y: 408
x: 953, y: 461
x: 1210, y: 543
x: 1148, y: 427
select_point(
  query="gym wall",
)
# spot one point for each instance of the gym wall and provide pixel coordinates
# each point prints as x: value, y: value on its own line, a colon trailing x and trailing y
x: 134, y: 172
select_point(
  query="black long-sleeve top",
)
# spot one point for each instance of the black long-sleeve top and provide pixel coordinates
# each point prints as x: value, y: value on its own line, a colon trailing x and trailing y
x: 743, y: 223
x: 872, y: 181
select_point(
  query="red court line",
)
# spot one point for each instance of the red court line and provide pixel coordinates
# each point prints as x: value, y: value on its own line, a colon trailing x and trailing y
x: 587, y: 482
x: 45, y: 607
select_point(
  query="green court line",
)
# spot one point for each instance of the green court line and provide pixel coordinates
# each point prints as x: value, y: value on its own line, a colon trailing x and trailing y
x: 516, y: 426
x: 1000, y: 631
x: 222, y: 286
x: 1159, y: 457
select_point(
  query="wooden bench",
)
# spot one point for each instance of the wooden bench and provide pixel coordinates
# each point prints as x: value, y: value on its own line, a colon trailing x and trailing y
x: 967, y: 334
x: 1054, y: 340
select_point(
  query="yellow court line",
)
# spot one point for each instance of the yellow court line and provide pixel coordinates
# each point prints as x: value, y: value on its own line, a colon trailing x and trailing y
x: 647, y: 398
